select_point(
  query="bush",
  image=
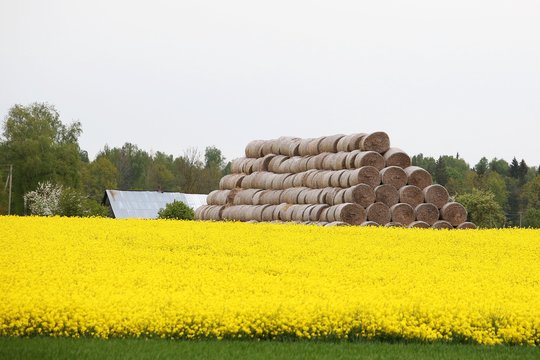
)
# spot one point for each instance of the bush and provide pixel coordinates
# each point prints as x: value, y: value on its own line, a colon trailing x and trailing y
x: 483, y: 209
x: 176, y: 210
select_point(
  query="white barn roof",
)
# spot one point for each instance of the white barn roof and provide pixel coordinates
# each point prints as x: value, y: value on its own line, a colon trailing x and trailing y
x: 146, y: 204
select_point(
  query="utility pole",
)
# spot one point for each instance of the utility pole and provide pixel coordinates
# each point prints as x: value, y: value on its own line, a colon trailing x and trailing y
x: 9, y: 183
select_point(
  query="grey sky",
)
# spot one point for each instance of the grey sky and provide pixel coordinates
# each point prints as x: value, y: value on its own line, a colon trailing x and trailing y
x: 440, y: 77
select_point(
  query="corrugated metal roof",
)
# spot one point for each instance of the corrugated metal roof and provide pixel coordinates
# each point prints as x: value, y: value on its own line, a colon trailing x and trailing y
x: 146, y: 204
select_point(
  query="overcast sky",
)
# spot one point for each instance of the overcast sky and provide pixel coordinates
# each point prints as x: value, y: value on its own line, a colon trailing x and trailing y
x: 440, y: 77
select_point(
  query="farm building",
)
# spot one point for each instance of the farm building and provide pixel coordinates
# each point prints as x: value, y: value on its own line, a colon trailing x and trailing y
x: 145, y: 204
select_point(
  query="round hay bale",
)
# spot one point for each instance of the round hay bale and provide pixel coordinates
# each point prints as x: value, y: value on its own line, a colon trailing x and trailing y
x: 311, y: 163
x: 419, y: 224
x: 303, y: 147
x: 394, y: 224
x: 218, y: 197
x: 351, y: 158
x: 288, y: 182
x: 309, y: 180
x: 454, y: 213
x: 331, y: 195
x: 264, y: 162
x: 254, y: 148
x: 327, y: 163
x: 313, y: 147
x: 275, y: 162
x: 350, y: 142
x: 257, y: 179
x: 245, y: 197
x: 339, y: 178
x: 379, y: 213
x: 279, y: 211
x: 289, y: 196
x: 377, y: 141
x: 299, y: 179
x: 311, y: 196
x: 436, y: 194
x: 426, y: 212
x: 364, y: 175
x: 298, y: 212
x: 442, y: 224
x: 323, y: 216
x: 284, y: 145
x: 319, y: 160
x: 267, y: 147
x: 294, y: 148
x: 267, y: 213
x: 339, y: 197
x: 303, y: 195
x: 386, y: 194
x: 303, y: 166
x: 231, y: 181
x: 306, y: 213
x: 369, y: 158
x: 411, y: 195
x: 198, y: 211
x: 258, y: 197
x: 369, y: 223
x: 466, y: 225
x: 258, y: 212
x: 340, y: 161
x: 296, y: 164
x: 324, y: 180
x: 397, y: 157
x: 287, y: 214
x: 285, y: 166
x: 236, y: 165
x: 394, y: 175
x: 213, y: 212
x: 330, y: 143
x: 418, y: 177
x: 402, y: 213
x: 337, y: 223
x: 353, y: 214
x: 316, y: 211
x: 277, y: 181
x: 361, y: 194
x: 247, y: 166
x: 246, y: 182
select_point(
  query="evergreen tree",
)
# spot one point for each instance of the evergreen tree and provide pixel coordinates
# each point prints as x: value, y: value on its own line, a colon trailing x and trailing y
x: 441, y: 174
x: 522, y: 171
x: 482, y: 166
x: 514, y: 168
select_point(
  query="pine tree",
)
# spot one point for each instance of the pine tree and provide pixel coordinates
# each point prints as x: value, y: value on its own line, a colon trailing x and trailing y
x: 522, y: 170
x: 514, y: 168
x: 441, y: 174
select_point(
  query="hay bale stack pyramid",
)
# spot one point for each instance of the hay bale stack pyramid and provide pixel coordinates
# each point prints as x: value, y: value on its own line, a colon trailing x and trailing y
x: 356, y: 179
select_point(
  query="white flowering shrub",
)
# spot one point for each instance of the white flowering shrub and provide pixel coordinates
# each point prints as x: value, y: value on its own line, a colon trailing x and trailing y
x: 45, y: 200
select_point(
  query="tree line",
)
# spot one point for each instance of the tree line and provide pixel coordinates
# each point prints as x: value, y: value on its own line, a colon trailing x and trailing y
x: 42, y: 148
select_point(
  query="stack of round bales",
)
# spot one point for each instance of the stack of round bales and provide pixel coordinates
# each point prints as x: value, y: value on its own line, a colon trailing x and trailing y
x: 356, y: 179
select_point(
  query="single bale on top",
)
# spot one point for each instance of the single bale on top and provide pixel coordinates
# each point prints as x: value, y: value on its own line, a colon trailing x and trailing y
x: 418, y: 177
x: 377, y: 141
x: 397, y: 157
x: 454, y: 213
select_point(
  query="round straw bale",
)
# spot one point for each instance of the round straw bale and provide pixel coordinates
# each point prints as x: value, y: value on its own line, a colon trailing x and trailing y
x: 402, y: 213
x: 353, y: 214
x: 280, y: 211
x: 299, y: 179
x: 284, y: 143
x: 364, y: 175
x: 285, y: 166
x: 253, y: 149
x: 267, y: 213
x: 213, y: 212
x: 397, y: 157
x: 340, y: 161
x: 267, y: 147
x: 351, y: 158
x: 418, y: 177
x: 274, y: 163
x: 337, y: 223
x: 258, y: 197
x: 288, y: 182
x: 369, y: 158
x: 377, y: 141
x: 340, y: 197
x: 369, y: 223
x: 277, y: 181
x: 316, y: 211
x: 386, y: 194
x: 436, y: 194
x: 338, y: 179
x: 467, y: 225
x: 454, y: 213
x: 304, y: 163
x: 213, y: 197
x: 289, y: 196
x: 442, y: 224
x: 411, y: 195
x: 378, y: 212
x: 331, y: 195
x: 231, y: 181
x: 293, y: 148
x: 323, y: 216
x: 302, y: 196
x: 258, y: 212
x: 236, y: 165
x: 274, y: 148
x: 257, y: 179
x: 419, y: 224
x: 328, y: 161
x: 350, y: 142
x: 309, y: 180
x: 246, y: 182
x: 264, y: 162
x: 245, y: 197
x: 394, y: 175
x: 393, y: 224
x: 311, y: 196
x: 198, y: 212
x: 313, y: 147
x: 298, y: 213
x: 330, y: 143
x: 322, y: 196
x: 296, y: 164
x: 306, y: 212
x: 287, y: 215
x: 362, y: 194
x: 426, y: 212
x: 319, y: 160
x: 324, y: 180
x: 246, y: 166
x: 311, y: 162
x: 303, y: 147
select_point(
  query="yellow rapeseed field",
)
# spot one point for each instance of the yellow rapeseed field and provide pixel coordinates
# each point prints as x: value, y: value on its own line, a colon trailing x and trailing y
x: 174, y: 279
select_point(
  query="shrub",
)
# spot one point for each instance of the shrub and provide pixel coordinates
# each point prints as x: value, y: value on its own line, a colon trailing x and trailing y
x: 176, y: 210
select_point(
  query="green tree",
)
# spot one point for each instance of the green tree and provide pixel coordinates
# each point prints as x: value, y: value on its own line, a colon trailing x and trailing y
x: 500, y: 166
x: 41, y: 148
x: 213, y: 158
x: 531, y: 193
x: 98, y: 176
x: 160, y: 173
x: 482, y: 166
x: 132, y: 164
x: 482, y: 208
x: 428, y: 163
x: 514, y: 168
x: 176, y: 210
x: 531, y: 218
x: 441, y: 173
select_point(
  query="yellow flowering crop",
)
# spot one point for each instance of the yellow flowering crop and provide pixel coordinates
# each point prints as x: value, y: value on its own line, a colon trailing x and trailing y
x: 175, y: 279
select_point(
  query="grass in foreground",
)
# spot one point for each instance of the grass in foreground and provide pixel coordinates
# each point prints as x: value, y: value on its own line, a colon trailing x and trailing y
x: 69, y: 348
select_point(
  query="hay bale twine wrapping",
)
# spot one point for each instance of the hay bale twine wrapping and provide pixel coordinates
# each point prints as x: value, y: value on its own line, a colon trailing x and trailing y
x: 254, y: 149
x: 275, y: 162
x: 419, y: 224
x: 353, y: 214
x: 394, y: 175
x: 313, y: 147
x: 467, y: 225
x: 379, y: 213
x: 361, y: 194
x: 436, y: 194
x: 350, y: 142
x: 386, y: 194
x: 397, y: 157
x: 454, y: 213
x: 377, y: 141
x: 369, y: 223
x: 369, y: 158
x: 364, y: 175
x: 418, y: 177
x: 402, y: 213
x: 231, y: 181
x: 442, y: 224
x: 426, y: 212
x: 393, y: 224
x: 411, y: 195
x: 330, y: 143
